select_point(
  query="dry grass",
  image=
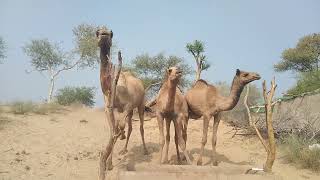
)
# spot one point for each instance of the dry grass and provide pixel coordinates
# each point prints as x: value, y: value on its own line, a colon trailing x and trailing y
x: 27, y: 107
x: 297, y: 151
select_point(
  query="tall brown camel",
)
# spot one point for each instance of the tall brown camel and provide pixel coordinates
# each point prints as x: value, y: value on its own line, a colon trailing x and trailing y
x: 129, y: 91
x: 204, y: 100
x: 172, y: 106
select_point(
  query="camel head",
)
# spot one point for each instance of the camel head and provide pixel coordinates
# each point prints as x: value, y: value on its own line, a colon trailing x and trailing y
x: 246, y: 77
x: 104, y: 37
x: 174, y: 74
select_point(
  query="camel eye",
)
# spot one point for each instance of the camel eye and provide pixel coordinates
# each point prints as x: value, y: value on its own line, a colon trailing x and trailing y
x: 245, y: 75
x: 170, y: 70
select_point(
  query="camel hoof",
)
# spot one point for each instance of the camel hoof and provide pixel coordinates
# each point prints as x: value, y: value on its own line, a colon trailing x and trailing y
x: 123, y: 152
x: 183, y: 158
x: 199, y: 163
x: 215, y: 163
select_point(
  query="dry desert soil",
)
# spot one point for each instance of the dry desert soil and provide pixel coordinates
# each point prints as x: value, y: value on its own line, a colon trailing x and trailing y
x: 66, y: 146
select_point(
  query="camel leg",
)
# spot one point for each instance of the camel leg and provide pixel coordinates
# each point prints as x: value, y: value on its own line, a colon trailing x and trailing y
x: 129, y: 120
x: 141, y: 117
x: 184, y: 133
x: 178, y: 129
x: 160, y: 124
x: 177, y: 146
x: 217, y: 118
x: 206, y: 120
x: 166, y: 146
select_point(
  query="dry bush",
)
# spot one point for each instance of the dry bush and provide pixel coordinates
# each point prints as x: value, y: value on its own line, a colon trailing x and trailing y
x: 22, y: 107
x: 46, y: 108
x: 296, y: 150
x: 27, y: 107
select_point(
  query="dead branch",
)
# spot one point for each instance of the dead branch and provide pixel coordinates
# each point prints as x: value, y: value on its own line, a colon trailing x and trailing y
x: 270, y: 147
x: 268, y: 106
x: 151, y: 85
x: 109, y: 104
x: 251, y: 122
x: 245, y: 102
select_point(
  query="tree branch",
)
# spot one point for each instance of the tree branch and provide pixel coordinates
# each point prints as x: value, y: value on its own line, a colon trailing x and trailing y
x: 66, y: 68
x: 153, y: 84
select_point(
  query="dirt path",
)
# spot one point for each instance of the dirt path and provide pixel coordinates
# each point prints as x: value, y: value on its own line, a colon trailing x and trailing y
x: 66, y: 146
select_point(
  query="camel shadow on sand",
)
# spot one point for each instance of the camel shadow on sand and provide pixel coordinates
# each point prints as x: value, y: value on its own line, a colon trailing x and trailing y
x: 221, y: 157
x: 135, y: 155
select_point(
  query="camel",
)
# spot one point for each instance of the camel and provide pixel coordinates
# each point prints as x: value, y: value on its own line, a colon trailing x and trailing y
x: 205, y: 101
x: 172, y: 106
x: 129, y: 91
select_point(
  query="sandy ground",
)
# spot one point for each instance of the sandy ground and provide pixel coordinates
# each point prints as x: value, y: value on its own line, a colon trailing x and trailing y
x: 66, y: 146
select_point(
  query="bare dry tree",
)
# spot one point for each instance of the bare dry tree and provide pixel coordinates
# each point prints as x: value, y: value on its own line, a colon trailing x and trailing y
x: 268, y: 145
x: 109, y: 104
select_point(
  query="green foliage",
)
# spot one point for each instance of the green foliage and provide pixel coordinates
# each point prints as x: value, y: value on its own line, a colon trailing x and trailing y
x: 305, y: 57
x: 296, y: 150
x: 307, y: 82
x: 197, y: 48
x: 2, y: 49
x: 152, y: 69
x: 45, y: 55
x: 85, y: 43
x: 69, y: 95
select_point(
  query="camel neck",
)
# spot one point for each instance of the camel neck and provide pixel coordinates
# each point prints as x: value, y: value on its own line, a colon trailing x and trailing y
x: 171, y: 88
x: 231, y: 101
x: 104, y: 56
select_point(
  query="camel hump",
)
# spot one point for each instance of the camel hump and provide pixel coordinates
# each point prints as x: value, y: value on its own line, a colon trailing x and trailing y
x: 201, y: 82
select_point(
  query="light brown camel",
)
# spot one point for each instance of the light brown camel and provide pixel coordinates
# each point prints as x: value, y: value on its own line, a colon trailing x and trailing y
x: 205, y: 101
x: 129, y: 92
x: 172, y: 106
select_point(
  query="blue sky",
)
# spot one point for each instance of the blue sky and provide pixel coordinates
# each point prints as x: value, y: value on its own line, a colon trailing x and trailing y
x: 247, y: 34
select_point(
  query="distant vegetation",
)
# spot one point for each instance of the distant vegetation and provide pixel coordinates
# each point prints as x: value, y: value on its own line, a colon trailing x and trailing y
x: 49, y: 57
x: 2, y: 49
x: 70, y: 95
x: 27, y: 107
x: 304, y: 59
x: 197, y: 49
x: 238, y: 115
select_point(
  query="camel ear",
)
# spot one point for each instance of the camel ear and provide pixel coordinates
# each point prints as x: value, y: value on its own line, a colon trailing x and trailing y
x: 238, y: 72
x: 111, y: 34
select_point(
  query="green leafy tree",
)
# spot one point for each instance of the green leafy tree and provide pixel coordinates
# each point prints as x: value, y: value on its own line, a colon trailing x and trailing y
x: 69, y: 95
x: 2, y: 49
x: 307, y: 82
x: 151, y: 69
x: 197, y: 48
x: 305, y: 57
x: 49, y: 57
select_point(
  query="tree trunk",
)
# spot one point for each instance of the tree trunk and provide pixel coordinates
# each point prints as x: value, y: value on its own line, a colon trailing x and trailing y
x: 198, y: 73
x: 51, y: 87
x: 268, y: 108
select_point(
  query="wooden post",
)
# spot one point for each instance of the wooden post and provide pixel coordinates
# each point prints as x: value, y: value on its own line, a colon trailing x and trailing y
x: 109, y: 102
